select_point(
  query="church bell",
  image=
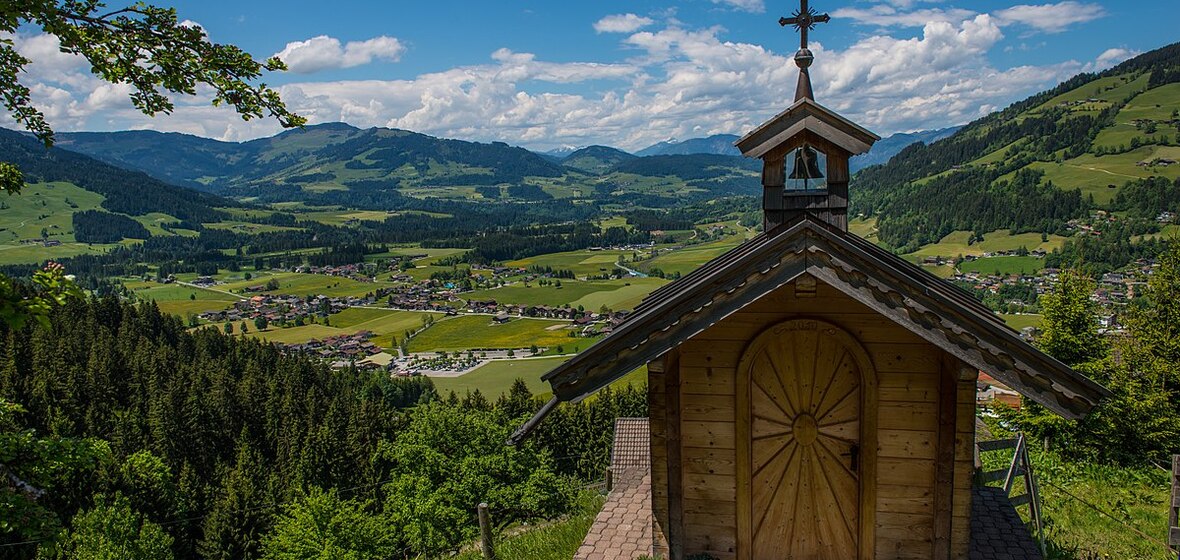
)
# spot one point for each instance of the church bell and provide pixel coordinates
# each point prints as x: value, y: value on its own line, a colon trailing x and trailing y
x: 806, y: 164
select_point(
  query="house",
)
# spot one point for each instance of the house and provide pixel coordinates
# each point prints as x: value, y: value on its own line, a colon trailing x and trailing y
x: 812, y: 395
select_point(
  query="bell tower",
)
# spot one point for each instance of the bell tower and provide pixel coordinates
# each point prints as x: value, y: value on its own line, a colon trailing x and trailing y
x: 813, y: 139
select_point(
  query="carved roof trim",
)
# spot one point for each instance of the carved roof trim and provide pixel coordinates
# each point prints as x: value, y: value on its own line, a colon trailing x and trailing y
x: 931, y: 308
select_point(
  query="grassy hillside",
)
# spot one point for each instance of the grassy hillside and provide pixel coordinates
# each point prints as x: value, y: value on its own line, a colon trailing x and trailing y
x: 1032, y: 167
x: 373, y: 169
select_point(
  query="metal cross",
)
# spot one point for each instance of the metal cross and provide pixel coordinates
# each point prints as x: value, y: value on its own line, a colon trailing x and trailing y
x: 804, y: 20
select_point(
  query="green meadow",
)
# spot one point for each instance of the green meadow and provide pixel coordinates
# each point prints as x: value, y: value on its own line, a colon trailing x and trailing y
x: 479, y: 331
x: 181, y: 300
x: 956, y: 244
x: 624, y: 293
x: 1004, y: 266
x: 496, y: 377
x: 291, y: 335
x: 307, y: 284
x: 582, y: 263
x: 1021, y: 321
x: 690, y: 258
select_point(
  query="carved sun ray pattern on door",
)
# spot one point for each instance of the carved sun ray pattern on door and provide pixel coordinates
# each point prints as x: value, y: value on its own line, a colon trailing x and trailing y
x: 805, y: 409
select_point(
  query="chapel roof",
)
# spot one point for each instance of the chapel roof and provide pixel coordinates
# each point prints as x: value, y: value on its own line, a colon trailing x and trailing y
x: 935, y: 310
x: 805, y: 115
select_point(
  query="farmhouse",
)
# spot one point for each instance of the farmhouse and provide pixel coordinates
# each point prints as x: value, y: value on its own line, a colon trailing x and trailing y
x: 811, y: 395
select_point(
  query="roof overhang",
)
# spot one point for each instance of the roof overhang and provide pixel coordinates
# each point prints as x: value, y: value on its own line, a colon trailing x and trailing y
x: 806, y: 115
x: 931, y: 308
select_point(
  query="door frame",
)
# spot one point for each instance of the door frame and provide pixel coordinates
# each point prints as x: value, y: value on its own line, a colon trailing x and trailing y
x: 868, y: 433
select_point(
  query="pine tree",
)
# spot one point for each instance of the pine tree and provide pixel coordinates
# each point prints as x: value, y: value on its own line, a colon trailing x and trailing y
x: 234, y: 527
x: 1071, y: 321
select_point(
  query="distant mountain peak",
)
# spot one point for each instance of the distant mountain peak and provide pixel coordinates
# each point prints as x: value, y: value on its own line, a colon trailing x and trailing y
x: 719, y: 144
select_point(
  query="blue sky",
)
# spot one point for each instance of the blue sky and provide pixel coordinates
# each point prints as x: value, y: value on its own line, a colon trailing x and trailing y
x: 628, y: 74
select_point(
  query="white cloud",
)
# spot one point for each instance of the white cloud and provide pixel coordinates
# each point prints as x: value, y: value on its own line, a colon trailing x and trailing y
x: 622, y: 23
x: 885, y: 15
x: 324, y: 53
x: 755, y: 6
x: 682, y: 82
x: 1051, y: 18
x: 1110, y: 58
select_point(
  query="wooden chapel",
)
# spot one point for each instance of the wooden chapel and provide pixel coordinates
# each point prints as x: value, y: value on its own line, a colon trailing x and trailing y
x: 812, y: 396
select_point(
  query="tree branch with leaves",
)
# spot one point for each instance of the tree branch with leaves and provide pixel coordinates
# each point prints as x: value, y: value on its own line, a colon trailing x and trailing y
x: 144, y: 46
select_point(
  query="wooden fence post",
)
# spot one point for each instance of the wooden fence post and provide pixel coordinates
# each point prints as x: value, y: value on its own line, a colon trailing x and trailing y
x: 1174, y: 510
x: 485, y: 532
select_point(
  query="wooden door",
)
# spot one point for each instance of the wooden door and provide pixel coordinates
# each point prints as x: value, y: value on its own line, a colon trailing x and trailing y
x: 804, y: 399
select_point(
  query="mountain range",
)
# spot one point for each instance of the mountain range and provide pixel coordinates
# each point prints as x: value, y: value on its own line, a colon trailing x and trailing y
x: 1032, y: 167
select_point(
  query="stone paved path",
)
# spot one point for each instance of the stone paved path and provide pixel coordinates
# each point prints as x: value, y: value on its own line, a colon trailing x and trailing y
x: 623, y: 529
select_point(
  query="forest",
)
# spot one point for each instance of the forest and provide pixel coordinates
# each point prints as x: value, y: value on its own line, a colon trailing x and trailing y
x: 96, y: 226
x: 129, y: 432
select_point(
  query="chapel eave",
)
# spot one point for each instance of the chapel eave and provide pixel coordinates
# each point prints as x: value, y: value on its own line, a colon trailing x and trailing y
x: 931, y: 308
x: 806, y: 115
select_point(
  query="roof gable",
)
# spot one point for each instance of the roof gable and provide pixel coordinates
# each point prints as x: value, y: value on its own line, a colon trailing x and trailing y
x: 806, y: 116
x: 914, y: 299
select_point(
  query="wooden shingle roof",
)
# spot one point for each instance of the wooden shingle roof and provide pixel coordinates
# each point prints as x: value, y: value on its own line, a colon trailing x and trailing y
x: 806, y: 116
x: 932, y: 308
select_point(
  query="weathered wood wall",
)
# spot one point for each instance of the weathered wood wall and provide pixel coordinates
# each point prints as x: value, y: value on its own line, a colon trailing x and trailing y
x: 926, y: 404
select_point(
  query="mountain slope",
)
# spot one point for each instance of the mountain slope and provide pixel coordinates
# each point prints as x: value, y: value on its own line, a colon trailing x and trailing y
x: 1037, y: 164
x: 123, y: 191
x: 596, y: 160
x: 324, y: 157
x: 888, y: 147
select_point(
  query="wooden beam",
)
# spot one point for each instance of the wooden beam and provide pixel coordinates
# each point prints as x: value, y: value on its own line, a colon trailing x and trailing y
x: 944, y: 473
x: 676, y: 535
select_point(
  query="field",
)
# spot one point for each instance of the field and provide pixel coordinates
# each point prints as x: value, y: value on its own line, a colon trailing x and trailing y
x: 292, y: 335
x: 690, y: 258
x: 627, y: 295
x: 340, y: 217
x: 956, y: 244
x: 591, y: 295
x: 307, y: 284
x: 1114, y: 88
x: 478, y: 331
x: 1019, y: 322
x: 432, y: 254
x: 532, y: 294
x: 1004, y: 266
x: 495, y: 377
x: 866, y: 229
x: 248, y: 227
x: 582, y: 263
x: 182, y: 300
x: 1094, y: 175
x: 44, y: 205
x: 388, y: 325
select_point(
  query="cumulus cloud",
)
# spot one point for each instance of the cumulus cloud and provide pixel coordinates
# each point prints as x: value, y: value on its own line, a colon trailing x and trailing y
x: 681, y: 82
x: 755, y: 6
x: 1109, y: 58
x: 1051, y: 18
x: 324, y: 53
x: 622, y: 23
x: 888, y: 15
